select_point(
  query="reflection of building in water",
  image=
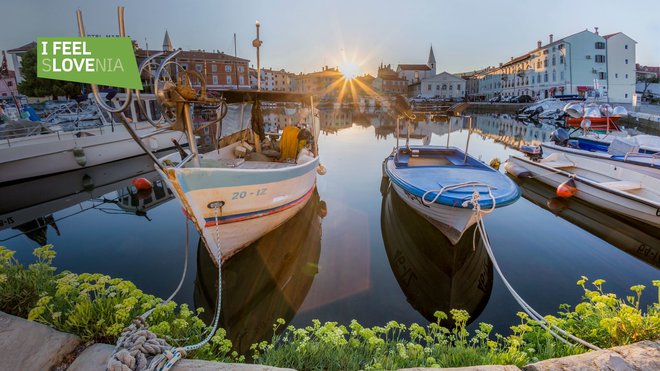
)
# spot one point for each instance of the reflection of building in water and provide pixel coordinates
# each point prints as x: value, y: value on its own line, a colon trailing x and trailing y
x: 433, y: 274
x: 423, y: 127
x: 334, y: 120
x: 509, y: 131
x: 265, y: 281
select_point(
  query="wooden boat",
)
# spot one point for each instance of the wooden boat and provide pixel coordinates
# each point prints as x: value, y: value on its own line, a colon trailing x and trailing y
x: 267, y: 280
x: 614, y: 188
x: 636, y: 239
x: 441, y: 182
x: 433, y: 274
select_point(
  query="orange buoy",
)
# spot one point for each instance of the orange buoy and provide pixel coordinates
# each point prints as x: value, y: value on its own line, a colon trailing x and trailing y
x: 567, y: 189
x: 142, y: 184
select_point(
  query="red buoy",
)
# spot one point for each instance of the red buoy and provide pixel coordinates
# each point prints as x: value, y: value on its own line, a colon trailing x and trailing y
x: 567, y: 189
x: 142, y: 184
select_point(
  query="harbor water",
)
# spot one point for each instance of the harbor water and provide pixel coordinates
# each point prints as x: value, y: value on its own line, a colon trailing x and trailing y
x: 354, y: 252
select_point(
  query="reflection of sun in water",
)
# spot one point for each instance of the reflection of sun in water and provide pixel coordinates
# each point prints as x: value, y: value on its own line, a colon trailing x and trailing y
x: 350, y: 70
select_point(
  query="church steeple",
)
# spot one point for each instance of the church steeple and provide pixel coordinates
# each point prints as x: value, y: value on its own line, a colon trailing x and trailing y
x: 167, y: 43
x: 431, y: 62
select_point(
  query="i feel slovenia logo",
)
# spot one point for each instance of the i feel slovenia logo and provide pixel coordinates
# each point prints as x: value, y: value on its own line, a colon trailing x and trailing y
x: 94, y: 60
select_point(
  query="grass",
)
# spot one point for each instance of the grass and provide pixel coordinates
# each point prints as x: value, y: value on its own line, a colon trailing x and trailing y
x: 98, y: 307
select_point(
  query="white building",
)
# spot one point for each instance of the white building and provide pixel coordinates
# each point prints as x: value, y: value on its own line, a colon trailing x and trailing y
x: 576, y: 64
x: 620, y: 67
x: 274, y: 80
x: 443, y: 85
x: 414, y: 73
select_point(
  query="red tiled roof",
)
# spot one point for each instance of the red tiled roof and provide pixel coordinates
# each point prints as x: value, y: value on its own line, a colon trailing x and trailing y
x: 23, y: 48
x: 610, y: 35
x: 195, y: 54
x: 414, y: 67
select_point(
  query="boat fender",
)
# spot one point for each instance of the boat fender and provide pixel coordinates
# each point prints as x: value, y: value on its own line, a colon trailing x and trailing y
x: 79, y: 156
x: 517, y: 171
x: 495, y: 163
x: 142, y: 184
x: 567, y: 189
x: 321, y: 170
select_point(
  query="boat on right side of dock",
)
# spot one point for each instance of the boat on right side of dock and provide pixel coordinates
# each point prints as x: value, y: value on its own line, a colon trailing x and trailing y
x: 615, y: 188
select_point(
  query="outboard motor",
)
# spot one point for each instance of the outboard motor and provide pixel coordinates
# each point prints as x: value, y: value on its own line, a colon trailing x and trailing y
x: 559, y: 137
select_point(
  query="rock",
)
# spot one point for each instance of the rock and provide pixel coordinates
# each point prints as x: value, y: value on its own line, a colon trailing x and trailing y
x: 470, y: 368
x: 640, y: 356
x: 96, y: 358
x: 27, y: 345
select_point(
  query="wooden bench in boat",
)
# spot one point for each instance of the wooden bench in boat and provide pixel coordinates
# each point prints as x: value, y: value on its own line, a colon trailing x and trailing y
x: 622, y: 185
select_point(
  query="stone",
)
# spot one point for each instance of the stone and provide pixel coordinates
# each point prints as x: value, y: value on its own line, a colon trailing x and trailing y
x: 640, y: 356
x: 96, y: 358
x: 28, y: 345
x: 470, y: 368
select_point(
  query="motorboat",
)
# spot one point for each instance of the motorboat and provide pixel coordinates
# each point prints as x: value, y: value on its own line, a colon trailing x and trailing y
x: 445, y: 185
x: 28, y: 153
x: 618, y: 151
x: 593, y: 116
x: 622, y: 190
x: 434, y: 274
x: 543, y: 109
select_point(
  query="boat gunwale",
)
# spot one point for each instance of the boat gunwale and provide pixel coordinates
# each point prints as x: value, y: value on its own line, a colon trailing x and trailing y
x: 603, y: 156
x: 588, y: 182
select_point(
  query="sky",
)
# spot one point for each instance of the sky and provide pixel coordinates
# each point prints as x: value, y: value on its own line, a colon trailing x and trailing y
x: 303, y: 36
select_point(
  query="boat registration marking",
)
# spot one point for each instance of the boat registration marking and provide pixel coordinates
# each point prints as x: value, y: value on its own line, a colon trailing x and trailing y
x: 242, y: 194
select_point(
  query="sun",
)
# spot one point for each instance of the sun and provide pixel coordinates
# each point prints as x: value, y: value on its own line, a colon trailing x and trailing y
x: 350, y: 70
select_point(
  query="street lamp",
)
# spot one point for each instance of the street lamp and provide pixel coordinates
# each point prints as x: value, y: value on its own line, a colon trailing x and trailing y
x: 257, y: 43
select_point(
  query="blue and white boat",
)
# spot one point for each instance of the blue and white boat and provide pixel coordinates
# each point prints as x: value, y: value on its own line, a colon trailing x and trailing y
x: 441, y: 184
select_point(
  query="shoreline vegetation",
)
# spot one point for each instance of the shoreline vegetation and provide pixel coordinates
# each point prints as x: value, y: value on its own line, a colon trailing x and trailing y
x: 97, y: 308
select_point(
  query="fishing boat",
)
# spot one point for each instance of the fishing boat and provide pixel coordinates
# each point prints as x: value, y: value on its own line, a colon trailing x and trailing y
x: 442, y: 184
x: 28, y: 153
x: 615, y: 188
x: 619, y: 151
x: 596, y: 123
x: 593, y: 116
x: 434, y: 274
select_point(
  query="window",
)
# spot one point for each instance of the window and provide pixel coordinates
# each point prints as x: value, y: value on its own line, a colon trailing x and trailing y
x: 533, y: 79
x: 451, y: 87
x: 561, y: 59
x: 626, y: 61
x: 10, y: 83
x: 444, y: 86
x: 428, y: 87
x: 560, y: 46
x: 228, y: 80
x: 554, y: 60
x: 215, y: 80
x: 227, y: 68
x: 214, y: 68
x: 458, y: 87
x: 198, y: 68
x: 616, y: 75
x: 184, y: 66
x: 545, y: 77
x: 600, y: 59
x: 626, y: 75
x: 600, y: 45
x: 554, y: 75
x: 545, y: 62
x: 601, y: 75
x: 437, y: 87
x: 561, y: 75
x: 626, y: 47
x: 626, y: 95
x: 241, y: 80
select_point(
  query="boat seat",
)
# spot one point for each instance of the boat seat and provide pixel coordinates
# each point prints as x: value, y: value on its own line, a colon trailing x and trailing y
x: 558, y: 164
x: 622, y: 185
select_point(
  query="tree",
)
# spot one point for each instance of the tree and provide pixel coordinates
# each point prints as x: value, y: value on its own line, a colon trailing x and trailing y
x: 34, y: 86
x: 648, y: 81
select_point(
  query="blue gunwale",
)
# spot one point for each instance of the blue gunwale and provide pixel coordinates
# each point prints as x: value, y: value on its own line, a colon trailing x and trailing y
x: 417, y: 180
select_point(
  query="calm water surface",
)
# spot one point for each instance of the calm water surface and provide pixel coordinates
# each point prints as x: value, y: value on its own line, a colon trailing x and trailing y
x: 354, y: 252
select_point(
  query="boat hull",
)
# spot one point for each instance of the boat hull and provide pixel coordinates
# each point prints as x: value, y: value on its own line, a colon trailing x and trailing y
x: 35, y: 156
x: 591, y: 192
x: 254, y: 202
x: 597, y: 123
x: 451, y: 221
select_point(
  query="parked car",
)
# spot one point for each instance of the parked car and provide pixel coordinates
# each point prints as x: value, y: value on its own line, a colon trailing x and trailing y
x: 495, y: 99
x: 525, y: 99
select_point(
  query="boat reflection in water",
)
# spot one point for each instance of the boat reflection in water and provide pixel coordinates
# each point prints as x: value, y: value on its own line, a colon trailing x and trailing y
x: 28, y: 207
x: 635, y: 238
x: 265, y: 281
x: 433, y: 274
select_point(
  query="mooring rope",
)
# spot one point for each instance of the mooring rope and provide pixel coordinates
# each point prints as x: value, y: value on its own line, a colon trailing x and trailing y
x: 139, y: 349
x: 481, y: 227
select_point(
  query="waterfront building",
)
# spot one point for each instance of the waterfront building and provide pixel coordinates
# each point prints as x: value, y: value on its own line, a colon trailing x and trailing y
x: 326, y: 83
x: 17, y: 56
x: 8, y: 84
x: 444, y: 86
x: 274, y: 80
x: 414, y: 73
x: 220, y: 71
x: 387, y: 81
x: 472, y: 79
x: 645, y: 72
x: 576, y: 64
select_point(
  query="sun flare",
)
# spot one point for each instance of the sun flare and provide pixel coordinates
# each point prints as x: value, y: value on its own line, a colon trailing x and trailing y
x: 350, y: 70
